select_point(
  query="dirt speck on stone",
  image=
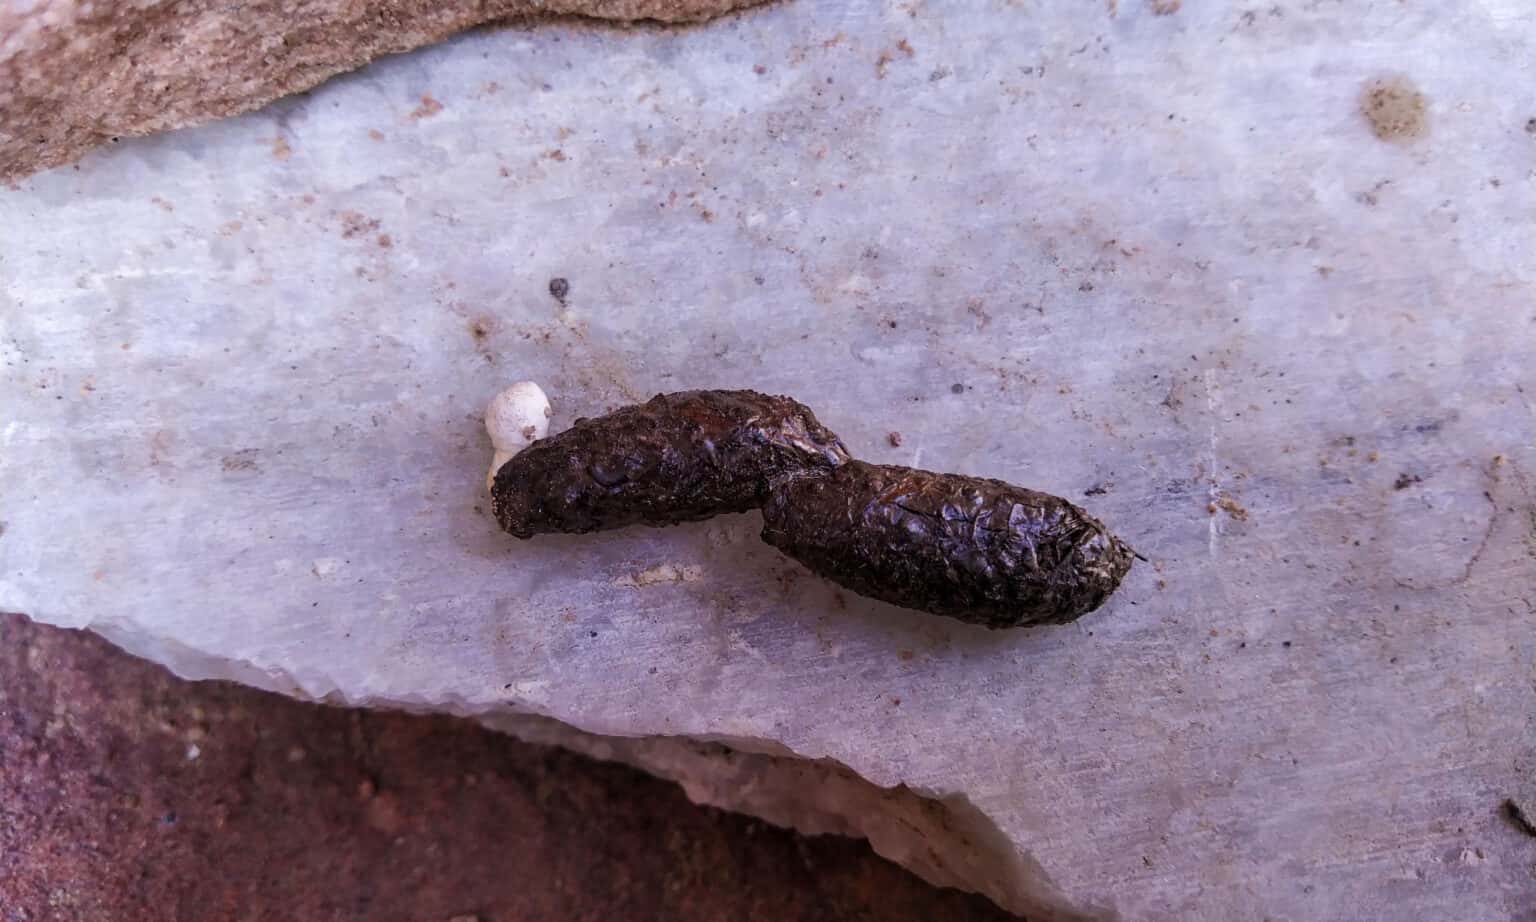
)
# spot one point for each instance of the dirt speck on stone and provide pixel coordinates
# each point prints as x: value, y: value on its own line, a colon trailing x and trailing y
x: 240, y: 461
x: 1394, y: 108
x: 1517, y: 817
x: 354, y: 224
x: 894, y: 438
x: 428, y: 108
x: 1231, y: 507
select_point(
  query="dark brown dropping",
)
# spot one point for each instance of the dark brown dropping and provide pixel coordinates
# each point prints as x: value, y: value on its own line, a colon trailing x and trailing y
x: 980, y: 550
x: 675, y: 458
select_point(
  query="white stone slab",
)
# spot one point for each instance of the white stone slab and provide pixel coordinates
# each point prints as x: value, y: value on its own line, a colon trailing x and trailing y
x: 1164, y: 257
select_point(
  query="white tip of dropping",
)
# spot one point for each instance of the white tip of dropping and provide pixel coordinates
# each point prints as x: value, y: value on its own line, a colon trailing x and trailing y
x: 515, y: 419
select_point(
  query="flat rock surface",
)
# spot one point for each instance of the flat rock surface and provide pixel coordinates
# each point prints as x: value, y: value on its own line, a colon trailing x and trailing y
x: 1252, y: 286
x: 129, y: 794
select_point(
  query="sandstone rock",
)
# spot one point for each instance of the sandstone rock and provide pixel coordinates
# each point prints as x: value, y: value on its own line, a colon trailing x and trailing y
x: 1161, y: 264
x: 78, y: 73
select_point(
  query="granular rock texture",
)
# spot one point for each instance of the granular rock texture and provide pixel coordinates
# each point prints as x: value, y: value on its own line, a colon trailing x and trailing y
x: 78, y: 73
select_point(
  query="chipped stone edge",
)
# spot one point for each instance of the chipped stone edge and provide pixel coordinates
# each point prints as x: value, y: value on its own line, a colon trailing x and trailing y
x: 940, y: 836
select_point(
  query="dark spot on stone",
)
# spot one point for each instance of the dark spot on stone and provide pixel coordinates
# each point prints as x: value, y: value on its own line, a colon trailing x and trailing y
x: 1511, y: 811
x: 480, y: 329
x: 355, y: 223
x: 1530, y: 126
x: 893, y: 437
x: 559, y: 288
x: 1394, y: 108
x: 428, y: 108
x: 1098, y: 489
x: 957, y: 388
x: 1404, y: 481
x: 241, y: 461
x: 593, y: 633
x: 1286, y: 644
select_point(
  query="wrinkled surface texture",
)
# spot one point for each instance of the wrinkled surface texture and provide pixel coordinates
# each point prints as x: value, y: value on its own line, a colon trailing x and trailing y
x: 1160, y: 265
x: 675, y: 458
x: 973, y: 548
x: 78, y: 73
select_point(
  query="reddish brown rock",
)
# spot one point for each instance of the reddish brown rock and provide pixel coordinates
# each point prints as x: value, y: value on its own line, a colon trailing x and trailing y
x: 127, y: 794
x: 78, y: 73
